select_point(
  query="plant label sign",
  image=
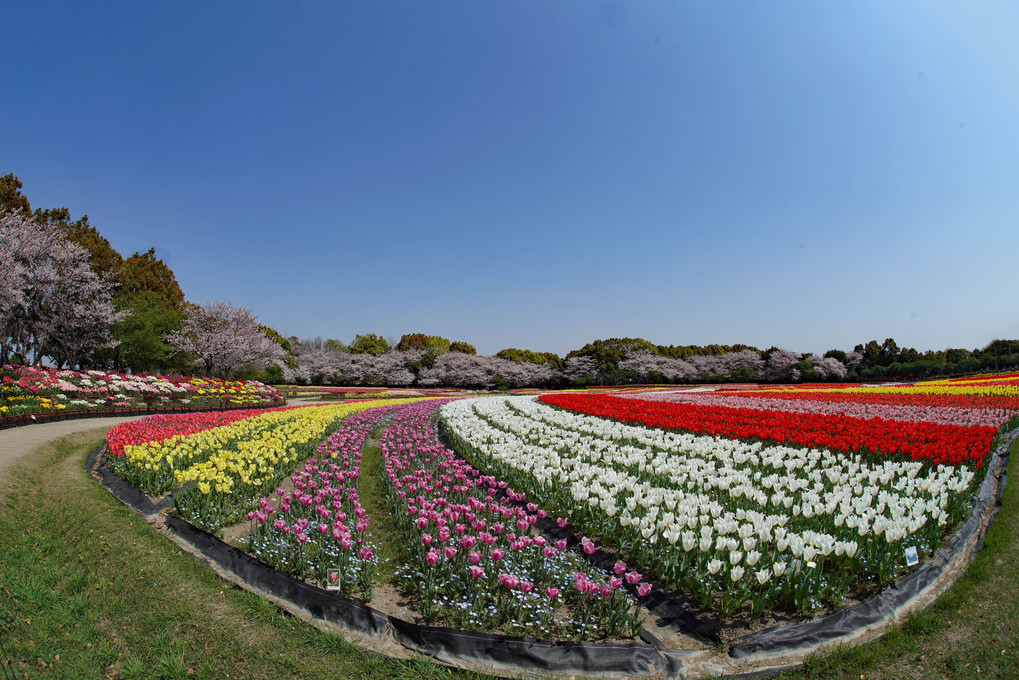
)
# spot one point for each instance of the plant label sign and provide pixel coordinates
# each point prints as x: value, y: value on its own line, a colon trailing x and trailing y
x: 911, y: 556
x: 332, y: 579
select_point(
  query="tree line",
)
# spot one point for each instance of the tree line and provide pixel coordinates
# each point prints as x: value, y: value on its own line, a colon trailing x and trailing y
x: 68, y: 298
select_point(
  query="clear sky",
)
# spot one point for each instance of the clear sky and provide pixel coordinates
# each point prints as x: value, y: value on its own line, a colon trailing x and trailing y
x: 541, y: 174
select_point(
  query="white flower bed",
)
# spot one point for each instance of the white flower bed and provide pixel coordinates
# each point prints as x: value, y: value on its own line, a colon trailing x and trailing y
x: 725, y: 518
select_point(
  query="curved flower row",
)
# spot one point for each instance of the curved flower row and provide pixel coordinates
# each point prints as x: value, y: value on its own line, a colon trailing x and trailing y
x: 727, y: 519
x: 158, y: 429
x: 221, y: 471
x: 934, y: 442
x: 931, y: 412
x: 477, y: 562
x: 35, y: 389
x: 318, y: 529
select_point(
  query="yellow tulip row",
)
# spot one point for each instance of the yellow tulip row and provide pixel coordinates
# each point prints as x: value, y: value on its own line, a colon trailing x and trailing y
x: 243, y: 449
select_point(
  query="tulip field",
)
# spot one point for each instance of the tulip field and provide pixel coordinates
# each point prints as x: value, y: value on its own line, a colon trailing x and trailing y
x: 771, y: 499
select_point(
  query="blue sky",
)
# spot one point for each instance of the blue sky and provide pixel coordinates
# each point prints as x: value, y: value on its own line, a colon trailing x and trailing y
x: 542, y: 174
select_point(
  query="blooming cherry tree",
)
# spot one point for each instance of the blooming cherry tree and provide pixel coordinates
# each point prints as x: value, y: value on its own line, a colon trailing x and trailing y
x: 225, y: 338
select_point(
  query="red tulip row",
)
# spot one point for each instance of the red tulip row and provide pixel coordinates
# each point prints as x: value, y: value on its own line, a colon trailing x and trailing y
x: 949, y: 444
x: 888, y: 399
x: 162, y: 427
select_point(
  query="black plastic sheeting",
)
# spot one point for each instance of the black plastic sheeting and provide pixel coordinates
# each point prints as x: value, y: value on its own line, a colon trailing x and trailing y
x: 494, y: 652
x: 447, y: 645
x: 632, y: 658
x: 791, y: 637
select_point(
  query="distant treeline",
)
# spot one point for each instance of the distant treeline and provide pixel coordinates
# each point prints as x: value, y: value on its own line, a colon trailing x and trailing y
x: 69, y: 298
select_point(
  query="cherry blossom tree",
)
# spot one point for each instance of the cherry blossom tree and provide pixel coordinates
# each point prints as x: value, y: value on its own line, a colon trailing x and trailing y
x: 781, y: 365
x: 644, y: 363
x: 225, y: 338
x: 51, y: 302
x: 828, y: 367
x: 580, y: 367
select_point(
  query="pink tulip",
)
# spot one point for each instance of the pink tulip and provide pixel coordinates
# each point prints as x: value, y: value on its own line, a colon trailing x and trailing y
x: 551, y: 592
x: 449, y: 551
x: 619, y: 567
x: 643, y: 589
x: 477, y: 572
x: 632, y: 577
x: 432, y: 557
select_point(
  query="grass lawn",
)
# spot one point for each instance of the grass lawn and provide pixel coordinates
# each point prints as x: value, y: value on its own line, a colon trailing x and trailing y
x: 89, y: 590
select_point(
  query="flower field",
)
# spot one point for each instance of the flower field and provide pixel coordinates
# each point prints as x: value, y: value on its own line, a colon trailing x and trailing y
x: 35, y: 390
x: 728, y: 510
x: 219, y: 473
x: 476, y: 561
x: 742, y: 501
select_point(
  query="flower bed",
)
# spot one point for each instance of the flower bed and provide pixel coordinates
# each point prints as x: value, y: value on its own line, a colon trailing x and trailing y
x: 219, y: 473
x: 476, y: 563
x: 35, y: 390
x: 474, y: 560
x: 933, y: 442
x: 317, y: 531
x: 964, y: 411
x: 728, y: 521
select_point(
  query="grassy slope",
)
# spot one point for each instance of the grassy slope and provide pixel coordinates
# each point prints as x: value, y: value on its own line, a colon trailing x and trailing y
x: 88, y: 590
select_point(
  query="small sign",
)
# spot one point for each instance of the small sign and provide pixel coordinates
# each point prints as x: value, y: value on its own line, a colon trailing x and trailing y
x: 911, y: 556
x: 332, y: 579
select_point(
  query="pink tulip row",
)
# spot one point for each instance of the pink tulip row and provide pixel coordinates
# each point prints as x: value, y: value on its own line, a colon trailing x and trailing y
x: 318, y: 529
x: 945, y: 415
x: 476, y: 559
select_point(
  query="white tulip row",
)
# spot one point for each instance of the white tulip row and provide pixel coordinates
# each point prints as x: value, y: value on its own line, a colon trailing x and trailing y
x: 728, y: 498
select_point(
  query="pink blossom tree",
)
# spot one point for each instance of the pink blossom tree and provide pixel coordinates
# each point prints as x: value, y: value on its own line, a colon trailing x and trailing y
x: 52, y: 303
x: 225, y: 338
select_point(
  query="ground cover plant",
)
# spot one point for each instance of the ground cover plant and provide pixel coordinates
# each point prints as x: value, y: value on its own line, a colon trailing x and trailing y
x: 731, y: 521
x: 39, y: 390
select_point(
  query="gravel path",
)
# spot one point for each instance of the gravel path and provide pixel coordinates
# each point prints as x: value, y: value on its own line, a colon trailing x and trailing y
x: 17, y: 442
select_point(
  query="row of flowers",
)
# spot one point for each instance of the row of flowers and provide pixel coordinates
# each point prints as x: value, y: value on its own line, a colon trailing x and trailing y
x: 934, y: 442
x: 729, y: 521
x: 219, y: 473
x: 318, y: 529
x: 853, y: 406
x: 475, y: 560
x: 40, y: 390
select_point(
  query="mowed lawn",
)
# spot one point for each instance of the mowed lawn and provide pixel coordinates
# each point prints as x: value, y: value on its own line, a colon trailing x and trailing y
x: 89, y: 590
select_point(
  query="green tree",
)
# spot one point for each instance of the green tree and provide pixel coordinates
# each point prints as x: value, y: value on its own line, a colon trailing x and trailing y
x: 144, y: 272
x: 412, y: 341
x: 369, y: 343
x: 11, y: 198
x: 462, y: 347
x: 142, y: 335
x: 103, y: 258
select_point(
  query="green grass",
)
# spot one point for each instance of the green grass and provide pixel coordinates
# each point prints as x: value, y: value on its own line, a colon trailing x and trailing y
x: 371, y: 493
x: 89, y: 590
